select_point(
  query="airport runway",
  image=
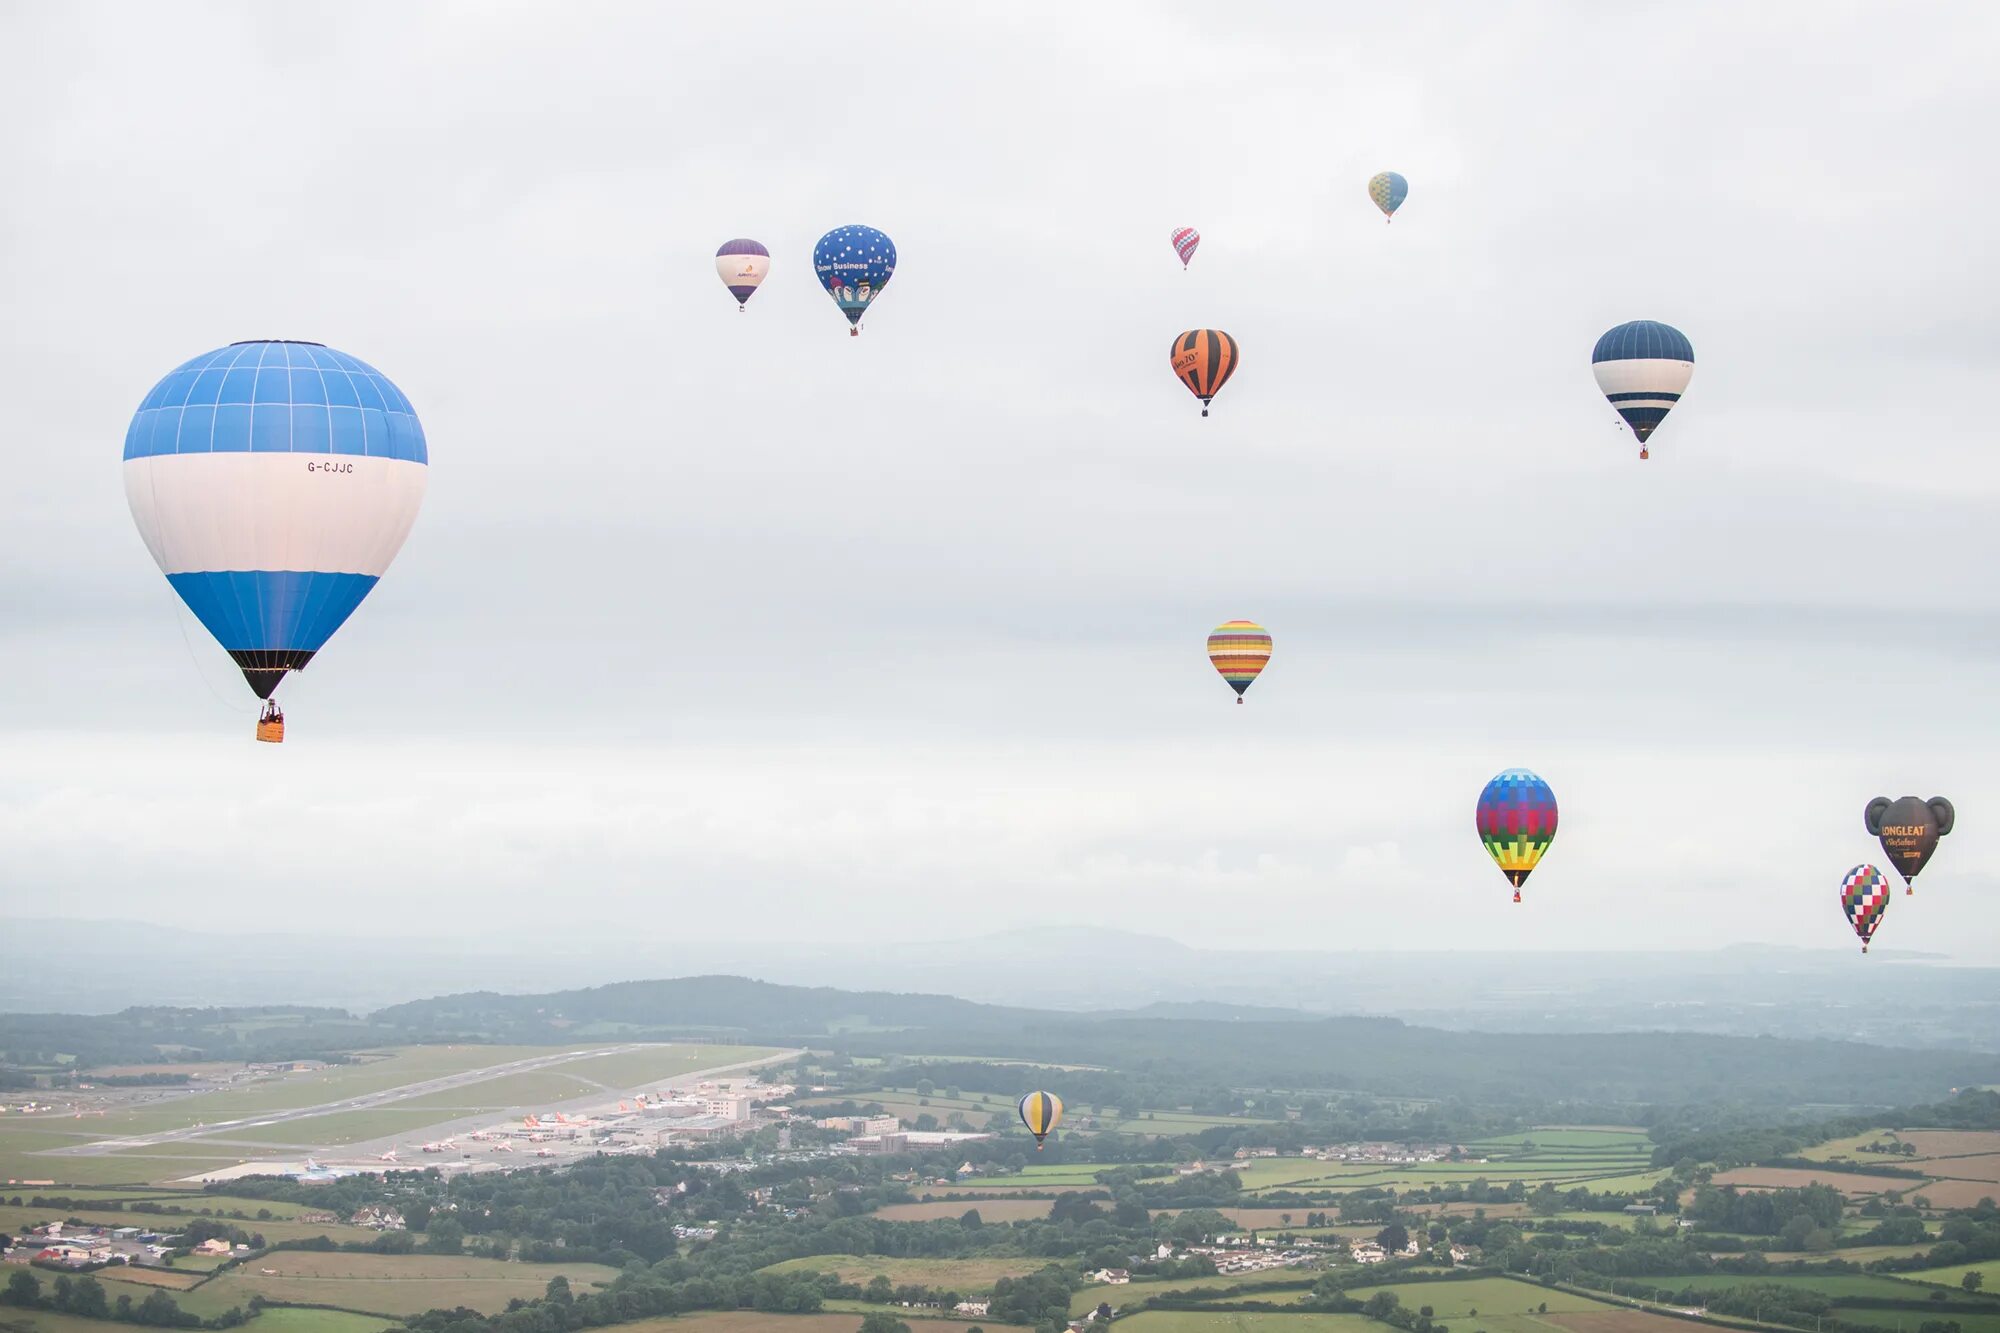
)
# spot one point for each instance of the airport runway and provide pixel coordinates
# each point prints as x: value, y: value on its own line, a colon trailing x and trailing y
x: 217, y: 1133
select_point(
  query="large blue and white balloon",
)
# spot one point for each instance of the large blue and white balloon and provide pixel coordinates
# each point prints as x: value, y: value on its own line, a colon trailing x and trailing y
x: 273, y: 482
x: 854, y: 264
x: 1643, y: 368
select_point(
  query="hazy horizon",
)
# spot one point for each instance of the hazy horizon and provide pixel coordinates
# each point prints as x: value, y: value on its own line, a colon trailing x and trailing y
x: 728, y: 627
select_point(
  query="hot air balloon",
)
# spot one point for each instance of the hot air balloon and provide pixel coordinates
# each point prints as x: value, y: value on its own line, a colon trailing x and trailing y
x: 742, y: 264
x: 1239, y: 649
x: 1864, y: 896
x: 1185, y: 240
x: 274, y: 481
x: 1517, y: 822
x: 1204, y: 359
x: 854, y: 264
x: 1909, y: 830
x: 1643, y: 368
x: 1041, y: 1112
x: 1388, y: 190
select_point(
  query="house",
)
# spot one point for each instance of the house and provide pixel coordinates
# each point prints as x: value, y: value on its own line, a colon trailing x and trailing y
x: 978, y: 1308
x: 213, y: 1245
x: 1368, y: 1252
x: 1115, y: 1277
x: 1641, y: 1209
x: 378, y: 1218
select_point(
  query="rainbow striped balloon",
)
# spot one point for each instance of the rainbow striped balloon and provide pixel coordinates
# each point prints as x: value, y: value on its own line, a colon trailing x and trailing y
x: 1864, y: 896
x: 1239, y: 649
x: 1517, y: 822
x: 1185, y: 240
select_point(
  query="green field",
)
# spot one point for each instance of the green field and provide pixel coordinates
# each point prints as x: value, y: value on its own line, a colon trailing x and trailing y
x: 1029, y: 1177
x: 395, y: 1285
x: 963, y: 1275
x: 273, y: 1320
x: 1834, y: 1286
x: 1990, y: 1270
x: 16, y: 1221
x: 1132, y: 1293
x: 1224, y: 1321
x: 1488, y: 1295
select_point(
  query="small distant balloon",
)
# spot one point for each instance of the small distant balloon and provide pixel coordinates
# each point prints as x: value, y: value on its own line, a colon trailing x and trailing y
x: 1204, y: 359
x: 1909, y: 830
x: 1643, y: 368
x: 854, y: 264
x: 1239, y: 651
x: 1516, y: 818
x: 1041, y: 1112
x: 1388, y: 190
x: 742, y: 264
x: 1864, y: 896
x: 1185, y: 240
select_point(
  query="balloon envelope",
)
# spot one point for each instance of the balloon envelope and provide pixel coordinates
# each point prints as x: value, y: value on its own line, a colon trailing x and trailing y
x: 742, y: 264
x: 1909, y: 830
x: 273, y: 483
x: 1388, y: 190
x: 1239, y: 650
x: 854, y: 264
x: 1041, y: 1112
x: 1864, y: 896
x: 1185, y: 240
x: 1204, y: 359
x: 1643, y: 368
x: 1516, y: 819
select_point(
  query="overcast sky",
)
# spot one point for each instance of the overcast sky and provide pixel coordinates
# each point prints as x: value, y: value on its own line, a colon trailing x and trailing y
x: 721, y: 626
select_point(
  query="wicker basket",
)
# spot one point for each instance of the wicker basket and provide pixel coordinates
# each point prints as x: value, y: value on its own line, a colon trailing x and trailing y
x: 271, y: 729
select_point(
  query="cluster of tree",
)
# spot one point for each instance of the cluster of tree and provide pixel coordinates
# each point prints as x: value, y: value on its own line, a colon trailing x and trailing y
x: 1736, y: 1135
x: 1377, y: 1056
x: 1804, y: 1219
x: 85, y: 1296
x: 79, y: 1042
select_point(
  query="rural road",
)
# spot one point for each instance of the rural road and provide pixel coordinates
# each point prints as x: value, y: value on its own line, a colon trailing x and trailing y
x: 216, y: 1132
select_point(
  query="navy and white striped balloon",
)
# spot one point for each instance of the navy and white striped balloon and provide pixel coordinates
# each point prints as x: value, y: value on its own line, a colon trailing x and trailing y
x: 1643, y: 368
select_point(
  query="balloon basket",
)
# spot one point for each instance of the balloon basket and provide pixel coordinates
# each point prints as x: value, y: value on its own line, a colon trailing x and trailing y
x: 854, y: 332
x: 1864, y: 948
x: 1645, y: 453
x: 271, y: 730
x: 1517, y: 895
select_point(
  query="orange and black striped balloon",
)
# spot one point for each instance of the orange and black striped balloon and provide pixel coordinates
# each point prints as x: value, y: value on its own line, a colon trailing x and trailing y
x: 1205, y: 359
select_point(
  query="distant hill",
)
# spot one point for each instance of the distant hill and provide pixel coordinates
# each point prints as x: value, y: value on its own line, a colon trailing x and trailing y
x: 1230, y: 1045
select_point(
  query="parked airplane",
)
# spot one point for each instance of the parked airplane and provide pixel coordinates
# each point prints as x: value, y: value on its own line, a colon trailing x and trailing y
x: 388, y: 1156
x: 545, y: 1152
x: 503, y: 1146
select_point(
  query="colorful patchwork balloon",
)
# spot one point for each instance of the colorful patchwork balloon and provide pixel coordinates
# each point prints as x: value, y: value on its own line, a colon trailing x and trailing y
x: 1864, y: 896
x: 1517, y: 822
x: 1239, y: 649
x: 1388, y: 190
x: 1041, y: 1112
x: 742, y: 264
x: 1643, y: 368
x: 1185, y: 240
x: 1204, y: 359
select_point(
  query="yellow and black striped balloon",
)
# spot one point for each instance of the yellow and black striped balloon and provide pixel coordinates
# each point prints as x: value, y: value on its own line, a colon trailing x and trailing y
x: 1041, y: 1112
x: 1204, y: 359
